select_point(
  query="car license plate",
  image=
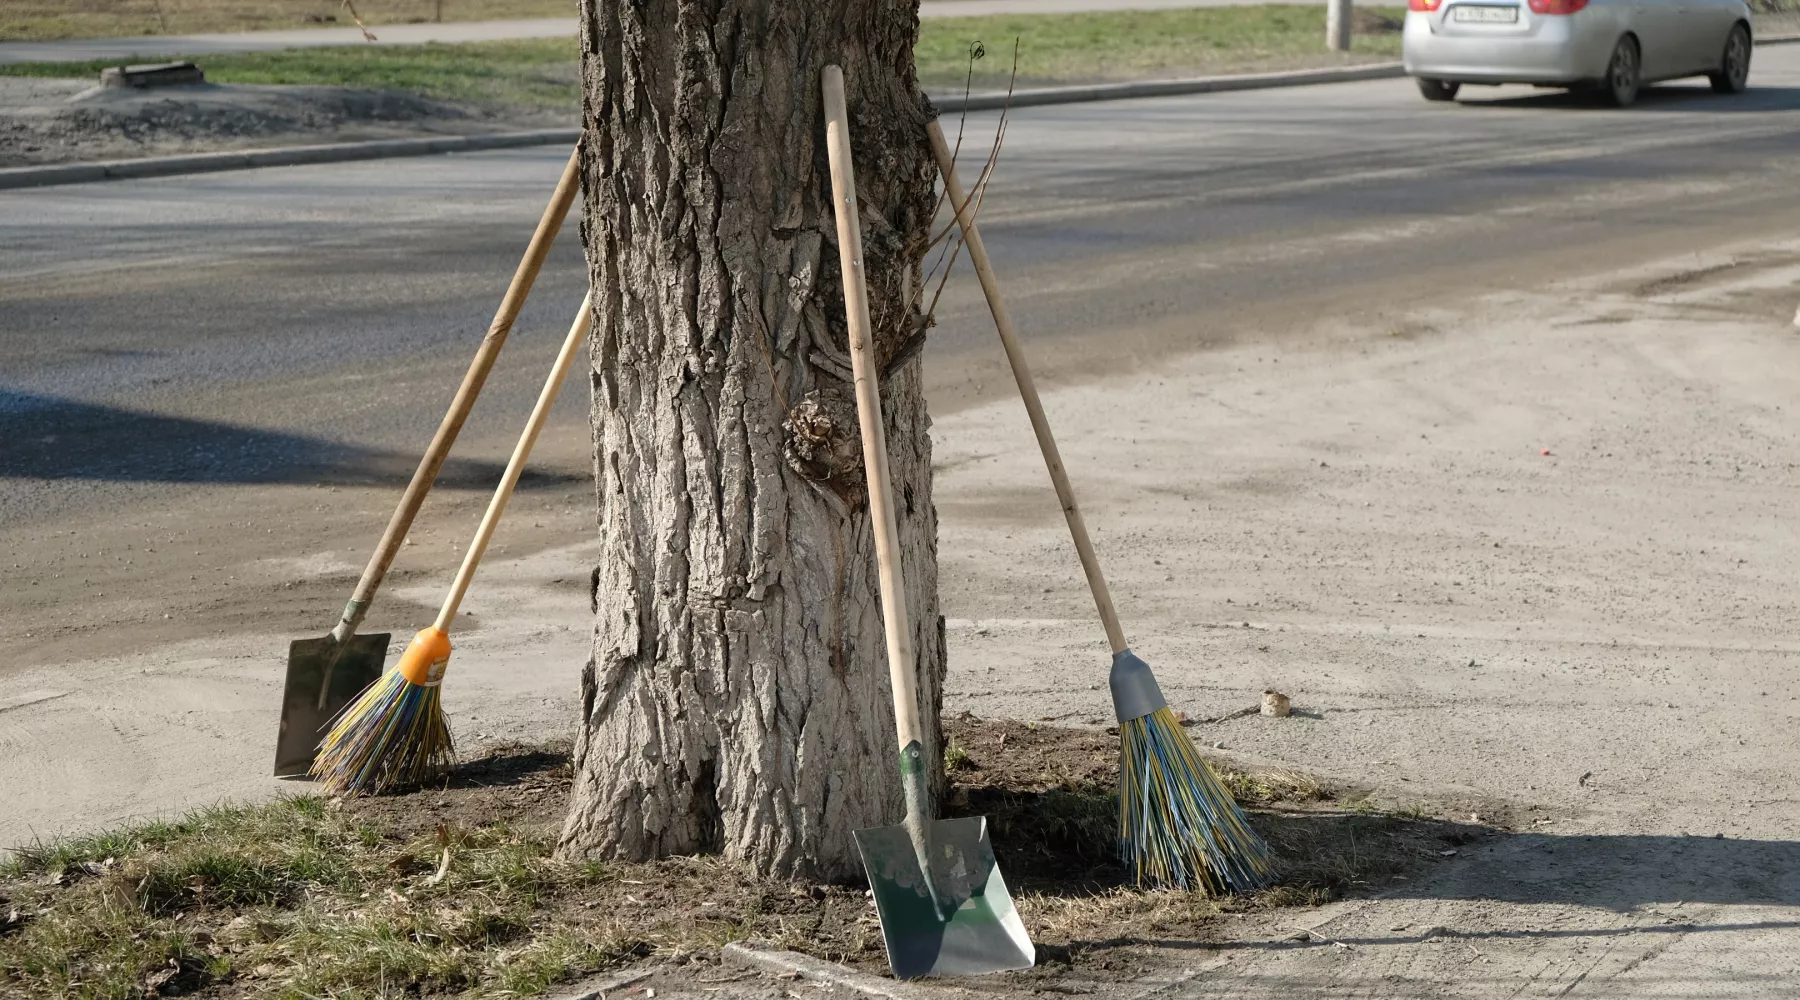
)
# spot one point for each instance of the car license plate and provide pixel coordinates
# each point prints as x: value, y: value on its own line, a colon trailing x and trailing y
x: 1481, y: 14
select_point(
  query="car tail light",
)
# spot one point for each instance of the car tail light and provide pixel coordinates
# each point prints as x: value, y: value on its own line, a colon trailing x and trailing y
x: 1423, y: 6
x: 1557, y: 6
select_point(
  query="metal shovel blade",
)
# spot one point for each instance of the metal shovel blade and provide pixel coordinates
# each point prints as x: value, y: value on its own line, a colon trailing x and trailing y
x: 303, y: 716
x: 978, y: 931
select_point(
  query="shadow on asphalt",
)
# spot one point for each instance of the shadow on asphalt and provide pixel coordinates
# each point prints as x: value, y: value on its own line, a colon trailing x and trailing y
x: 45, y: 437
x: 1619, y: 873
x: 1624, y: 872
x: 1677, y: 96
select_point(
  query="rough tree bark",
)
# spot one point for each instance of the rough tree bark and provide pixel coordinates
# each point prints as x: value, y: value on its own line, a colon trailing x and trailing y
x: 737, y: 697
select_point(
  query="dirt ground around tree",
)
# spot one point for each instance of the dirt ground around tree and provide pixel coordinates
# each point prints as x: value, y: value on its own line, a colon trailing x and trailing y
x: 1533, y: 551
x: 487, y: 830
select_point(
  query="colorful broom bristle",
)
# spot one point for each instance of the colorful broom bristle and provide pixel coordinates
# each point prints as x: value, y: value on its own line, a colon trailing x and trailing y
x: 394, y: 733
x: 1178, y: 825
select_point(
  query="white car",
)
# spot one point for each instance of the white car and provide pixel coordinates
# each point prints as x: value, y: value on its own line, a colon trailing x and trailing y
x: 1613, y: 46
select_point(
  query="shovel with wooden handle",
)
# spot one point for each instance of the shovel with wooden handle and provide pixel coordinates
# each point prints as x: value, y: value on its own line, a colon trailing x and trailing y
x: 323, y: 675
x: 944, y: 907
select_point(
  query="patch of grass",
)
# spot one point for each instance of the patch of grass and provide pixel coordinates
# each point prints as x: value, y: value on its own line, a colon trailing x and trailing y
x: 1130, y: 45
x: 529, y: 73
x: 1267, y: 788
x: 296, y: 886
x: 957, y: 759
x: 45, y: 20
x: 299, y: 898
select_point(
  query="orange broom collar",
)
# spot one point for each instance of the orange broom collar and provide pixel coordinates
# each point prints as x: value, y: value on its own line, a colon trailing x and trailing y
x: 425, y: 658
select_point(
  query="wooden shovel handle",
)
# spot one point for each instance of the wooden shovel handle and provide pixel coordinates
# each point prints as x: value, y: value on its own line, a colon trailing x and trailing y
x: 902, y: 670
x: 435, y: 453
x: 1015, y: 355
x: 516, y: 465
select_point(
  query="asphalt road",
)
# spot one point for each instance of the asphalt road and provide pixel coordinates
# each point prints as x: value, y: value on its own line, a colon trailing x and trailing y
x: 301, y: 323
x: 188, y: 362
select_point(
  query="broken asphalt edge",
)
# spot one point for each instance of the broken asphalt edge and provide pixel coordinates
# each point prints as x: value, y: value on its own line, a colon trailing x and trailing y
x: 342, y: 152
x: 752, y: 955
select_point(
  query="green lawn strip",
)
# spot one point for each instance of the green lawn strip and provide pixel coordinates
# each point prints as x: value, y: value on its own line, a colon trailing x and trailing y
x: 541, y: 74
x: 47, y: 20
x: 531, y: 73
x: 1131, y: 45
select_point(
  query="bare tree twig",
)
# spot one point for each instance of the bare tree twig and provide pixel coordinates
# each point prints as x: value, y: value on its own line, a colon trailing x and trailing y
x: 976, y: 51
x: 982, y: 182
x: 978, y: 190
x: 368, y: 36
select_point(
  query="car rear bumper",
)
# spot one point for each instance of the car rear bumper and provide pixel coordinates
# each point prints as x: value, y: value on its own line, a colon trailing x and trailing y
x: 1556, y: 50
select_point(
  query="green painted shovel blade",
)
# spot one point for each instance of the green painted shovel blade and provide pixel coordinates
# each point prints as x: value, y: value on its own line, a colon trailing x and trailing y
x: 978, y: 931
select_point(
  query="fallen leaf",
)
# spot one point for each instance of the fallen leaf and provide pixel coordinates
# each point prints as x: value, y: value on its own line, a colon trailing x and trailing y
x: 154, y: 982
x: 443, y: 868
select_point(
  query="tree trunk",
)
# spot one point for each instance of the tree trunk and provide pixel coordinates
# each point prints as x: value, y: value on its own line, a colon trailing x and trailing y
x: 737, y: 700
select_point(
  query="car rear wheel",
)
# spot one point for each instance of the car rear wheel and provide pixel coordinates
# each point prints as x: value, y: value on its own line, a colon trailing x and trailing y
x: 1438, y: 90
x: 1734, y: 65
x: 1624, y: 73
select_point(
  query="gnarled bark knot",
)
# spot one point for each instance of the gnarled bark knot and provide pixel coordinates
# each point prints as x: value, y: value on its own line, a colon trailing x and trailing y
x: 824, y: 444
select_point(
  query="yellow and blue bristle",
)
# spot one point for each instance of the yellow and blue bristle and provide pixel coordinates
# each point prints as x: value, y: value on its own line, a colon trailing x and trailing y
x: 392, y: 736
x: 1178, y: 824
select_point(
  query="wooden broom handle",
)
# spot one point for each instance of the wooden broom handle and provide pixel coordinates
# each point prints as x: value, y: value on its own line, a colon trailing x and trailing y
x: 433, y: 461
x: 902, y: 670
x: 516, y: 465
x: 1015, y: 355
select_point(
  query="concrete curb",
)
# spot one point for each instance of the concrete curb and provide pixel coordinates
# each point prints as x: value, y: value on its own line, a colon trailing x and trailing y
x: 1168, y: 88
x: 336, y: 152
x: 807, y: 967
x: 339, y: 152
x: 1199, y: 85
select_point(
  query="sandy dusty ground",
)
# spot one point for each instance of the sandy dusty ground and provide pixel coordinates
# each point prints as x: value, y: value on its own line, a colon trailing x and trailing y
x: 1533, y: 550
x: 1536, y: 550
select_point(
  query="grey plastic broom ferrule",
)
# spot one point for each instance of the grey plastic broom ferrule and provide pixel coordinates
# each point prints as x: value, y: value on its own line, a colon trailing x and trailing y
x: 1134, y: 689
